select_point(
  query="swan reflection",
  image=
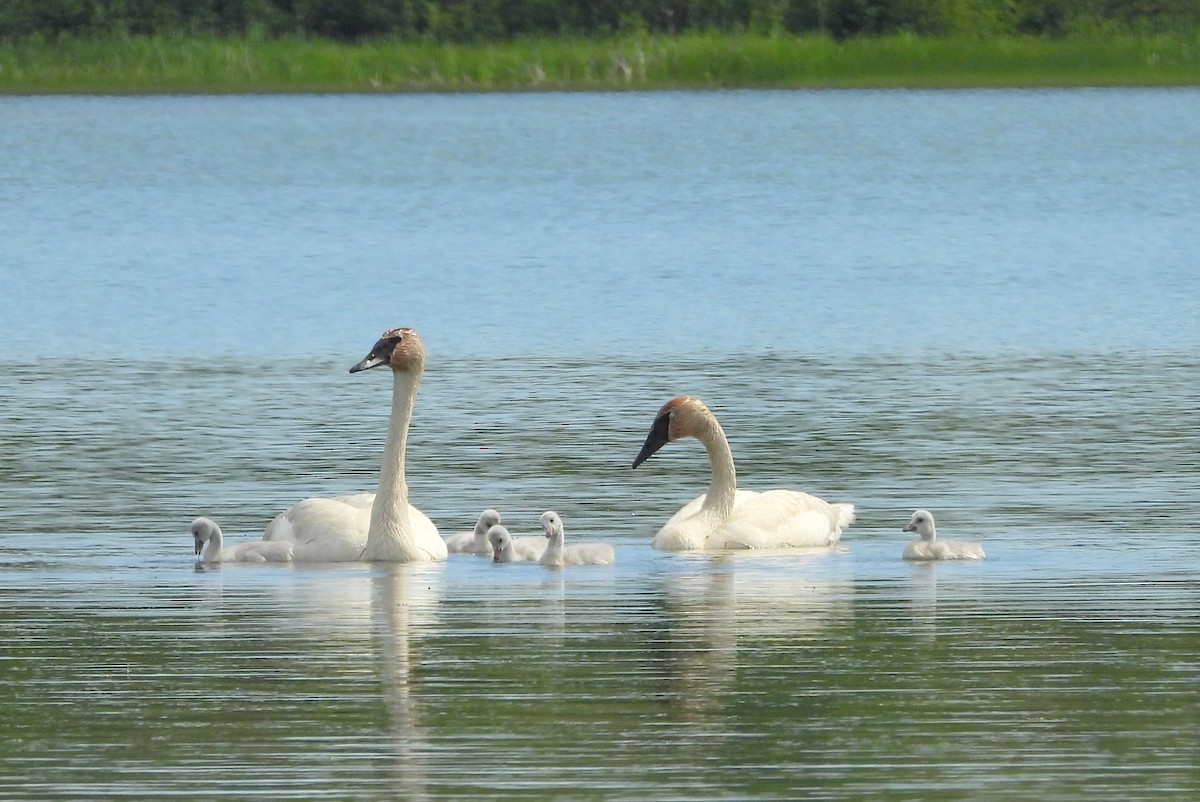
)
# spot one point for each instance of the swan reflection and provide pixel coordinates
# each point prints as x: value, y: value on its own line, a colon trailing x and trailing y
x: 376, y: 617
x: 732, y: 605
x: 404, y: 605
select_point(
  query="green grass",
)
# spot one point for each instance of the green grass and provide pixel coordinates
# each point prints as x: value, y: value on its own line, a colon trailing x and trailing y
x: 207, y: 65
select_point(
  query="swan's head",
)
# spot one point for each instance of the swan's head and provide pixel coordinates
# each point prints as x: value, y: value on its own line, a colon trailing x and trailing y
x: 203, y: 530
x: 500, y: 539
x: 487, y: 519
x: 552, y: 525
x: 922, y: 523
x: 677, y: 418
x: 399, y: 349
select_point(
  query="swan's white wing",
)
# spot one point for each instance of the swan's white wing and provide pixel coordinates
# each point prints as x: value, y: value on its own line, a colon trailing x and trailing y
x: 424, y: 532
x: 362, y: 501
x: 918, y: 550
x: 956, y: 550
x: 687, y: 511
x: 780, y: 519
x: 256, y: 551
x: 589, y: 554
x: 325, y: 529
x: 460, y: 543
x: 530, y: 547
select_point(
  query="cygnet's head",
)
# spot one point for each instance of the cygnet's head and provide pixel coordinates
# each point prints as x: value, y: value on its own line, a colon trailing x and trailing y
x: 500, y: 539
x: 400, y: 349
x: 487, y: 519
x: 552, y: 525
x: 677, y: 418
x: 921, y: 523
x: 203, y: 530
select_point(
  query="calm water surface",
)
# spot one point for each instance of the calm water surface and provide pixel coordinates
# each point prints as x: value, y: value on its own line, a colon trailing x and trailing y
x: 983, y: 303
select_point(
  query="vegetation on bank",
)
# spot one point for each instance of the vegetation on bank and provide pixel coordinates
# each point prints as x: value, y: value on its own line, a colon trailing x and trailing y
x: 477, y: 21
x: 202, y: 64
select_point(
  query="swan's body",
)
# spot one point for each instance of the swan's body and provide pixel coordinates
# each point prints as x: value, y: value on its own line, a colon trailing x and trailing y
x: 209, y: 540
x: 383, y: 526
x: 475, y: 541
x: 557, y: 554
x: 928, y: 547
x: 728, y: 518
x: 509, y: 549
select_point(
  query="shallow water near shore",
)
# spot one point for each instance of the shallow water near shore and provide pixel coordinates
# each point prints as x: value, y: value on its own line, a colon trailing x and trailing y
x: 981, y: 303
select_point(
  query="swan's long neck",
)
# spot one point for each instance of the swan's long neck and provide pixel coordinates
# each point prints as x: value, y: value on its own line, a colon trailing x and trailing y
x: 931, y: 535
x: 216, y: 541
x: 553, y: 555
x: 723, y: 489
x: 390, y: 535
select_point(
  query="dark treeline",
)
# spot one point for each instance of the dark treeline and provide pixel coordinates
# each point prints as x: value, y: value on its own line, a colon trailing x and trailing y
x: 494, y: 20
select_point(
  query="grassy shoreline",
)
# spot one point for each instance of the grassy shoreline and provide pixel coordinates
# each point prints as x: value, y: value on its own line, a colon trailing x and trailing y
x: 202, y: 65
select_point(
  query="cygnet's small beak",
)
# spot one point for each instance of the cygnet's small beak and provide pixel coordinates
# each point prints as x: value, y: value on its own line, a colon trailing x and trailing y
x: 910, y: 528
x: 495, y: 555
x: 199, y: 545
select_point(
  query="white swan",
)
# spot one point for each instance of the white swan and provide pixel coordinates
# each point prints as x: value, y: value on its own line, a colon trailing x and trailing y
x: 209, y: 539
x: 509, y: 549
x: 728, y: 518
x: 928, y: 547
x: 365, y: 527
x: 475, y: 541
x: 556, y: 554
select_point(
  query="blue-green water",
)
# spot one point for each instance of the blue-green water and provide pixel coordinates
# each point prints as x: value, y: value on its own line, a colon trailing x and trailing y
x: 982, y: 303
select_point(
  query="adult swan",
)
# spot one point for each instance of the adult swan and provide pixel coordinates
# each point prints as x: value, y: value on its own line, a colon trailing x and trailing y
x: 728, y: 518
x: 365, y: 527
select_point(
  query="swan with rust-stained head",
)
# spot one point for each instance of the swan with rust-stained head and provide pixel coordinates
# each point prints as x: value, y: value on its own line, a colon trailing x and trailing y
x: 383, y: 526
x: 557, y: 554
x: 928, y: 547
x: 474, y: 542
x: 726, y: 517
x: 209, y: 540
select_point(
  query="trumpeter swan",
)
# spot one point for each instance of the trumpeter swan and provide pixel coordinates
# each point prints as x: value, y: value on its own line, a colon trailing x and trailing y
x: 365, y: 527
x: 928, y: 547
x: 509, y: 549
x: 209, y: 539
x: 556, y: 554
x: 475, y: 541
x: 728, y: 518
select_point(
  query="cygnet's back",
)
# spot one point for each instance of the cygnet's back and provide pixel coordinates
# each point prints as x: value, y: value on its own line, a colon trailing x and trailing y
x: 559, y: 554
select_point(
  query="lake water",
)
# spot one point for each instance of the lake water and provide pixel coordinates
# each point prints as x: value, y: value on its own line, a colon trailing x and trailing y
x: 983, y: 303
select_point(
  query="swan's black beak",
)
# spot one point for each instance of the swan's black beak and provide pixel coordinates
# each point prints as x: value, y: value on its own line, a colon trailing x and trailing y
x: 199, y: 545
x: 380, y: 354
x: 657, y: 438
x: 368, y: 363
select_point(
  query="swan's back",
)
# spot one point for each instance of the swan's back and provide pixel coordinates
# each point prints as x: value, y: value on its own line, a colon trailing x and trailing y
x: 589, y: 554
x: 474, y: 541
x: 324, y: 529
x: 943, y: 550
x: 335, y: 529
x: 259, y: 551
x: 530, y: 547
x: 774, y: 519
